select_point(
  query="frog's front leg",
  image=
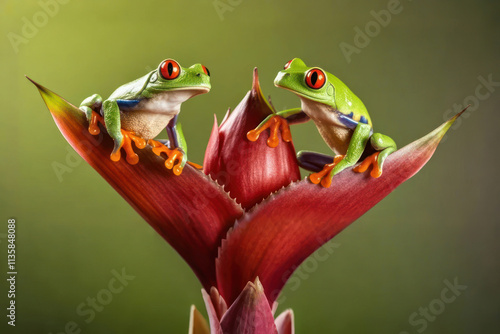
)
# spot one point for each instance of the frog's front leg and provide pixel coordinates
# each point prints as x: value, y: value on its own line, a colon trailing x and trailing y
x: 276, y: 121
x: 385, y: 146
x: 354, y: 151
x: 89, y: 106
x: 177, y: 152
x: 121, y: 138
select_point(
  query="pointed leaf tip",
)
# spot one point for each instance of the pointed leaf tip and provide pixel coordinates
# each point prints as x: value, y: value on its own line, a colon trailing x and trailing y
x: 213, y: 318
x: 27, y: 77
x: 58, y: 106
x: 432, y: 139
x: 210, y: 162
x: 460, y: 113
x: 255, y: 82
x: 197, y: 323
x: 250, y: 313
x: 285, y: 322
x: 218, y: 302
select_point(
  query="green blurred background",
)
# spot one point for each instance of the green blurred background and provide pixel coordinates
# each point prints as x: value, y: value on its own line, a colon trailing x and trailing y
x: 440, y: 225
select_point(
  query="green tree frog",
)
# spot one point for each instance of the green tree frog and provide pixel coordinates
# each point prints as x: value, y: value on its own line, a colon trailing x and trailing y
x: 341, y: 119
x: 139, y: 110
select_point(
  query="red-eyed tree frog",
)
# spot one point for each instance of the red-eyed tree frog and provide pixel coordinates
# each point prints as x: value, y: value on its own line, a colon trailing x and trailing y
x: 139, y: 110
x: 341, y: 119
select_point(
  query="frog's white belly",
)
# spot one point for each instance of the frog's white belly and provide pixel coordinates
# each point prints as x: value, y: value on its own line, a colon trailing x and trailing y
x: 152, y: 115
x: 145, y: 123
x: 336, y: 137
x: 335, y: 134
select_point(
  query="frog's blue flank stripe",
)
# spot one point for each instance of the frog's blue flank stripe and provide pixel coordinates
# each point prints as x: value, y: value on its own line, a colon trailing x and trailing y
x: 347, y: 120
x: 127, y: 104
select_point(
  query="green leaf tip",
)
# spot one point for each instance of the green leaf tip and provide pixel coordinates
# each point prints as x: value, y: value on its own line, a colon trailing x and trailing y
x: 437, y: 135
x: 56, y: 104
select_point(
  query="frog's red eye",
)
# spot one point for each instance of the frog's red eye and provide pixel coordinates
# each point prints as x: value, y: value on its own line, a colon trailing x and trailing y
x: 170, y: 69
x: 207, y: 72
x: 315, y: 78
x: 287, y: 65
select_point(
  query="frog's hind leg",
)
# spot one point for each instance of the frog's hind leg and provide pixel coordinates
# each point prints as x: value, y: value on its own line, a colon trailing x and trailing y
x: 313, y: 161
x: 384, y: 145
x: 89, y: 107
x: 175, y: 147
x: 321, y: 164
x: 165, y: 142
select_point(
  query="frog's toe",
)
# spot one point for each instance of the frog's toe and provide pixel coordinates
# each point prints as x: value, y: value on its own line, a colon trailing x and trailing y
x: 325, y: 175
x: 372, y: 160
x: 116, y: 154
x: 174, y: 156
x: 176, y: 159
x: 274, y: 124
x: 125, y: 142
x: 94, y: 120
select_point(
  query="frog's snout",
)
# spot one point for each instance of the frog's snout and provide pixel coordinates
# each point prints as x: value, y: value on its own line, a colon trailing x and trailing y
x: 281, y: 77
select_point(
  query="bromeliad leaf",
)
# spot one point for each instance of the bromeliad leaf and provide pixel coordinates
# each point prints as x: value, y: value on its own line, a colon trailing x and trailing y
x: 276, y: 236
x: 190, y: 211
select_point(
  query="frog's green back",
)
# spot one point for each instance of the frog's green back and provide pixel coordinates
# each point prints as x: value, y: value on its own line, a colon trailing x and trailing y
x: 132, y: 89
x: 346, y: 100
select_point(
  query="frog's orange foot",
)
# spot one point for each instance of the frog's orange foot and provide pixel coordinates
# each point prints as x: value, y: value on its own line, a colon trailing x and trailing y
x: 173, y: 156
x: 95, y: 119
x: 371, y: 160
x: 324, y: 176
x: 274, y: 124
x: 128, y: 138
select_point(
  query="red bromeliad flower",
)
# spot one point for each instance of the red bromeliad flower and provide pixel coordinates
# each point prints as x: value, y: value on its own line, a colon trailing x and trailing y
x: 248, y: 221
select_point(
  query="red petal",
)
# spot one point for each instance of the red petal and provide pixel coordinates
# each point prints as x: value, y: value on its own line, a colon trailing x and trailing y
x: 271, y: 241
x: 249, y: 171
x: 215, y: 327
x: 218, y: 302
x: 190, y: 211
x: 250, y: 313
x: 211, y: 161
x: 284, y: 322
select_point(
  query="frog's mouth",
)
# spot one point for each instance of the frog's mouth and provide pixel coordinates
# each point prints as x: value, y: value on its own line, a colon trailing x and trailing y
x: 169, y: 101
x: 302, y: 95
x: 201, y: 89
x: 195, y: 90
